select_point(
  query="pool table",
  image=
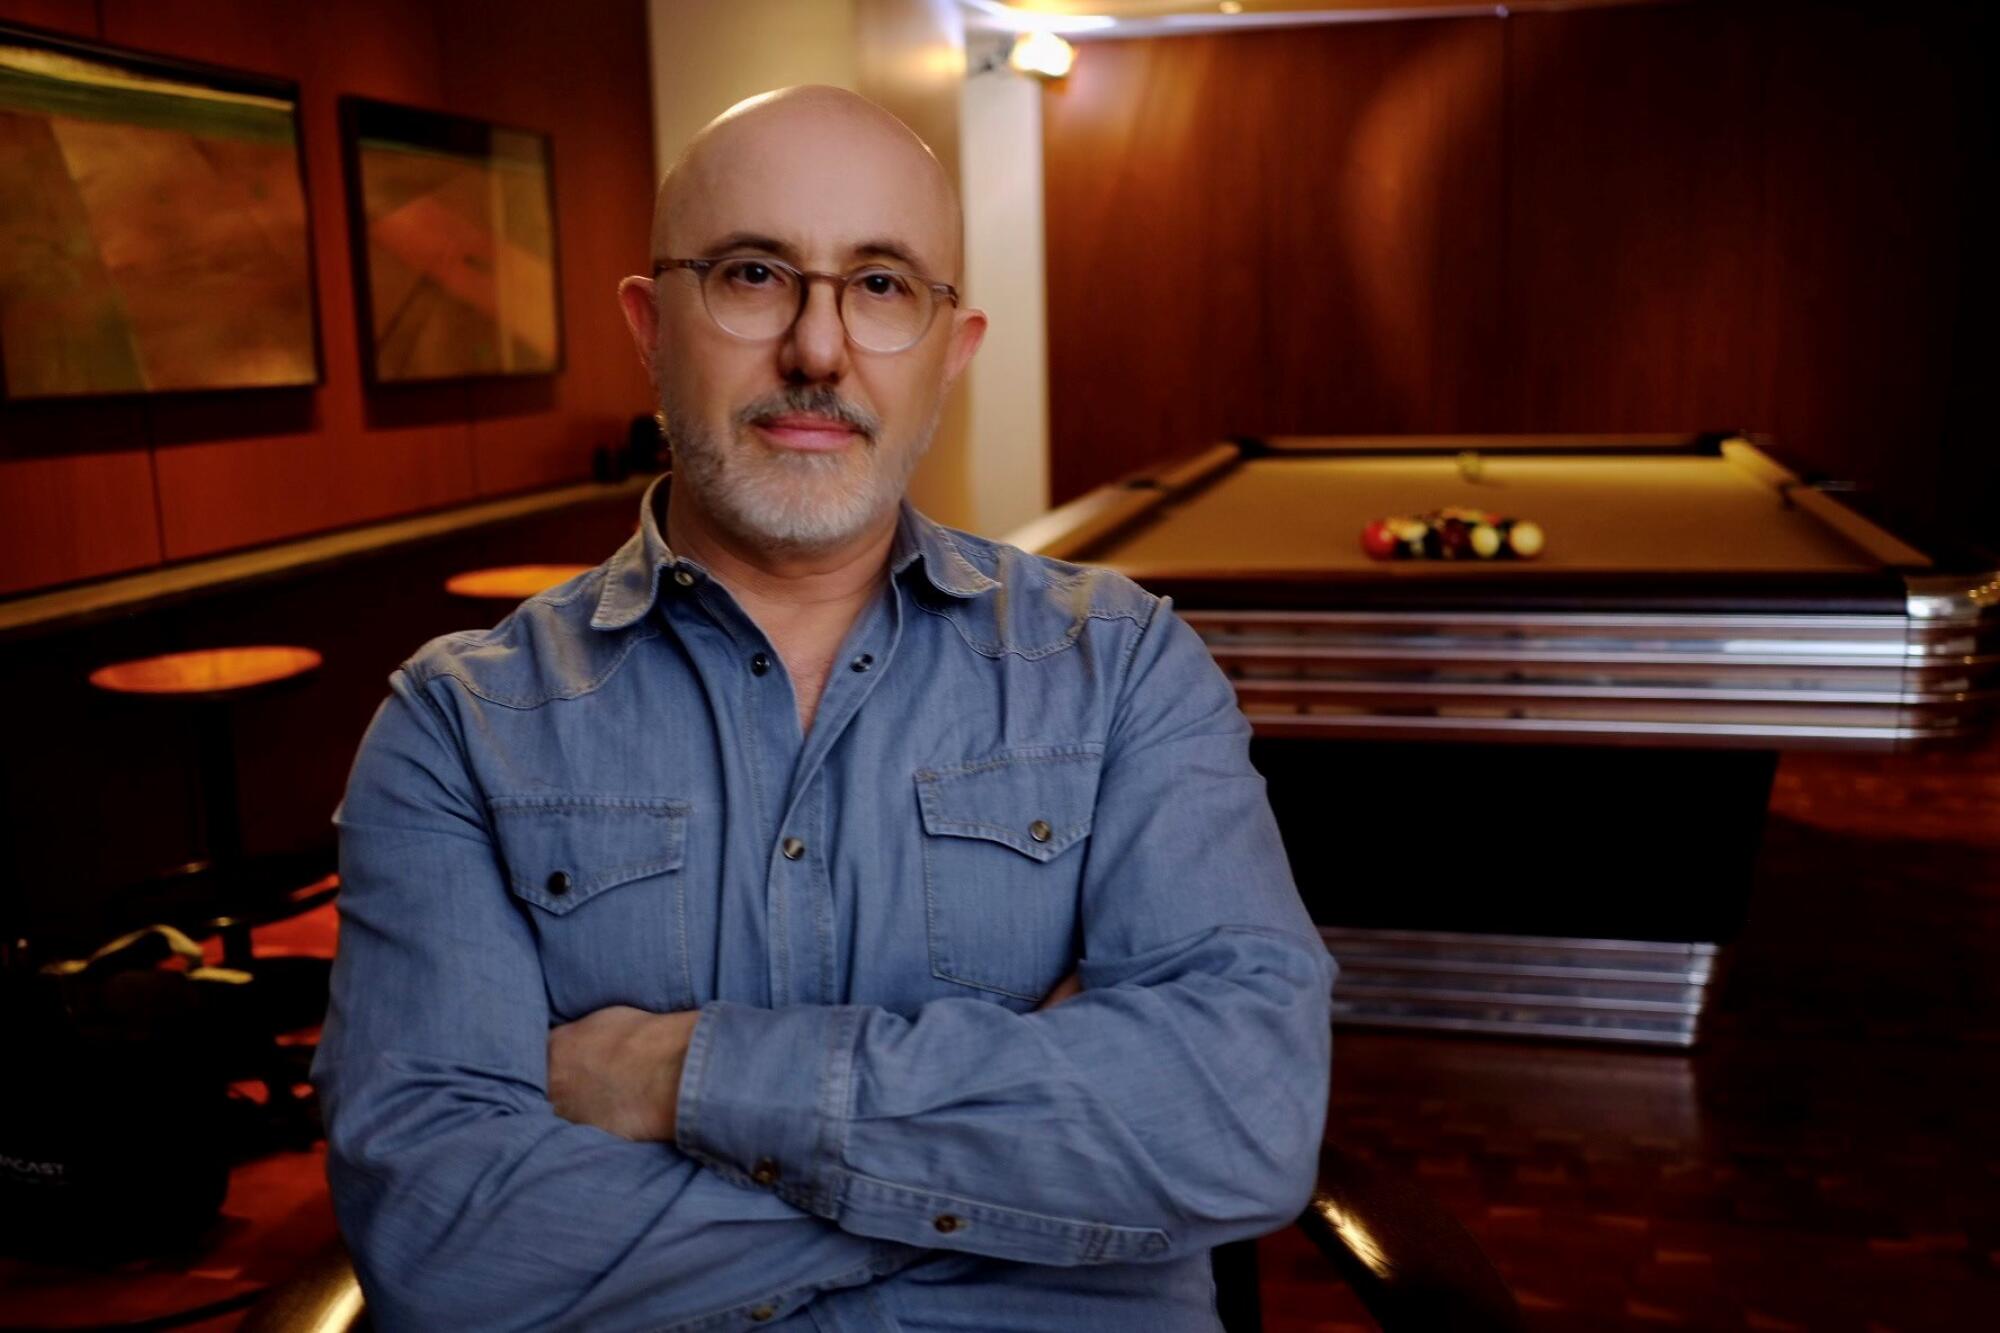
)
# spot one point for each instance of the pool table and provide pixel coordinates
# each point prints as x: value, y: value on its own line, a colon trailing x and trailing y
x: 1526, y: 795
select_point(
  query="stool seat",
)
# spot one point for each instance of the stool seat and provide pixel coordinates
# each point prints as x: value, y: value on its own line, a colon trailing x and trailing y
x: 227, y: 890
x: 511, y: 583
x: 207, y: 673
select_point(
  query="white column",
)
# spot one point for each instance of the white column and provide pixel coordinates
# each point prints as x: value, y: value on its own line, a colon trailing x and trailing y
x: 1007, y: 445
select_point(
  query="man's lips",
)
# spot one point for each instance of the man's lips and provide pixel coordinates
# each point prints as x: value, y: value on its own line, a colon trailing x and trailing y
x: 802, y: 430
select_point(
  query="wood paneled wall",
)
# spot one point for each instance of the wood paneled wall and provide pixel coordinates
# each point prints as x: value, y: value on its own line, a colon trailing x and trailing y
x: 93, y: 488
x: 1686, y: 216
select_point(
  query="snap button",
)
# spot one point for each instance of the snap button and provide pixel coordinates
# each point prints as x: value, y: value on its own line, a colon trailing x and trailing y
x: 765, y: 1172
x: 759, y: 664
x: 947, y: 1224
x: 559, y: 883
x: 685, y: 579
x: 863, y: 662
x: 1040, y: 830
x: 762, y: 1313
x: 792, y: 848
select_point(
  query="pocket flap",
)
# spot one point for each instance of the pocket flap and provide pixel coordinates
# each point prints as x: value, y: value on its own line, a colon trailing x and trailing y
x: 562, y: 851
x: 1038, y: 800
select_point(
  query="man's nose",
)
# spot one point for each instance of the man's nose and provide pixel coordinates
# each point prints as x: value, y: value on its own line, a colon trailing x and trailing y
x: 816, y: 348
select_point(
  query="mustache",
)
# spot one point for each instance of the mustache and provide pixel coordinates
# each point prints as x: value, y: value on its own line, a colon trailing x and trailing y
x: 818, y: 400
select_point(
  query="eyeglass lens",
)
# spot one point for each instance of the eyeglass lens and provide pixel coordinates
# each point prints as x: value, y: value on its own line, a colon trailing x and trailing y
x: 883, y: 310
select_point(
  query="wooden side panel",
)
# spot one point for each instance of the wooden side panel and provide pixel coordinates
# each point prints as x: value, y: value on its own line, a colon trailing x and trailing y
x: 76, y: 17
x: 1875, y: 184
x: 68, y: 517
x: 1268, y: 232
x: 1635, y: 145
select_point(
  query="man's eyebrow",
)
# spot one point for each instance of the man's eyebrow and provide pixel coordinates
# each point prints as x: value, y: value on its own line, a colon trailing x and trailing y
x: 750, y: 240
x: 878, y: 248
x: 886, y: 249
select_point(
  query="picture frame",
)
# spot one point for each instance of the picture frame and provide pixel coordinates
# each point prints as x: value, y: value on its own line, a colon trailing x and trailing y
x: 452, y: 223
x: 155, y: 225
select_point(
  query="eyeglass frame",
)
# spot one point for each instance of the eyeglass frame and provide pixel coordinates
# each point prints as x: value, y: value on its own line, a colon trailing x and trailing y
x: 806, y: 277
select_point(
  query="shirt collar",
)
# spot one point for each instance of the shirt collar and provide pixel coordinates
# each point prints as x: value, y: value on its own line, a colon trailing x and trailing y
x: 632, y: 576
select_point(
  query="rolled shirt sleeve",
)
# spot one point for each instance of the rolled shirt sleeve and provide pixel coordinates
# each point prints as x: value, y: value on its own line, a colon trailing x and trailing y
x: 1177, y: 1103
x: 467, y: 1202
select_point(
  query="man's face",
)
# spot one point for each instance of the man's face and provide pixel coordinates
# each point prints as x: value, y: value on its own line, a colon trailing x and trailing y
x: 801, y: 440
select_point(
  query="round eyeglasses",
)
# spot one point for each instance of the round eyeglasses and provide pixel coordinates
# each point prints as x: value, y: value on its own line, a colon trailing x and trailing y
x: 754, y: 298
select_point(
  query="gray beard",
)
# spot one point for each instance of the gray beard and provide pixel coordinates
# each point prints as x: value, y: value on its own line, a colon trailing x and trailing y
x: 792, y: 501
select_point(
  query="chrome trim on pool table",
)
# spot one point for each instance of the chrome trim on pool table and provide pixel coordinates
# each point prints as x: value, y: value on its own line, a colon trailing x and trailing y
x: 1892, y: 681
x: 1639, y: 991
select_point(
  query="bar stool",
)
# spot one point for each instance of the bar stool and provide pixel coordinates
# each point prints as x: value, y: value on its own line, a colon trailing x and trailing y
x: 225, y: 894
x: 208, y: 684
x: 511, y: 583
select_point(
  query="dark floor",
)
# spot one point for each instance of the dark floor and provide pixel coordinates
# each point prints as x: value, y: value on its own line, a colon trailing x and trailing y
x: 1830, y: 1160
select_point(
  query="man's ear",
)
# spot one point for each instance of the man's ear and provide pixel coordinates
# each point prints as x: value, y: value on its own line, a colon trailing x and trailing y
x: 642, y: 316
x: 968, y: 331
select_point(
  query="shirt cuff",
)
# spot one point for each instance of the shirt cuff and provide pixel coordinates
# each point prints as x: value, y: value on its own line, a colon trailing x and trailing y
x: 765, y: 1097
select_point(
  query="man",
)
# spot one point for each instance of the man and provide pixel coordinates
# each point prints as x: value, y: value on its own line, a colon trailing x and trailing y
x: 812, y: 917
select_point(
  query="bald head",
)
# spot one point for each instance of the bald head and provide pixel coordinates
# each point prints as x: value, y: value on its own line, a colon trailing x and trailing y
x: 815, y: 168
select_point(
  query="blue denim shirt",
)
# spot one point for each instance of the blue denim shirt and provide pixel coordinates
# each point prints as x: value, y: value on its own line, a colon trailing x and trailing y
x: 1019, y: 768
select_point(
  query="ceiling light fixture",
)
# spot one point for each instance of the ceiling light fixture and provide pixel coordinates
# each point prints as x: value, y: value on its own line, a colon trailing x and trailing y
x: 1042, y: 54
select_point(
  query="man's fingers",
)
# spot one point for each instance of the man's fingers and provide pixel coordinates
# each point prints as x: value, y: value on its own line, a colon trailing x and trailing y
x: 1068, y: 986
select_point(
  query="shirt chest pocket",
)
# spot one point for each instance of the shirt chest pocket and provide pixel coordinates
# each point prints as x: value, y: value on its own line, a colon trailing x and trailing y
x: 599, y: 878
x: 1003, y: 866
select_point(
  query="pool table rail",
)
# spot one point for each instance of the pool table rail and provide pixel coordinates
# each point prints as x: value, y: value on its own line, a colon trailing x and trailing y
x: 1898, y: 654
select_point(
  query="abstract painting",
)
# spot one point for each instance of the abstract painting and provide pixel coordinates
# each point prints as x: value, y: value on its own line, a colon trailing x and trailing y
x: 455, y: 258
x: 152, y: 226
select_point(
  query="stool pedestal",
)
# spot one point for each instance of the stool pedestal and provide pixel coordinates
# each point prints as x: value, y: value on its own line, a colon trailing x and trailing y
x: 208, y: 684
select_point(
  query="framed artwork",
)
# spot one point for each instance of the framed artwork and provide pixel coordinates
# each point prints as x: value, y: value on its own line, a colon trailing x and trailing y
x: 454, y: 233
x: 153, y: 233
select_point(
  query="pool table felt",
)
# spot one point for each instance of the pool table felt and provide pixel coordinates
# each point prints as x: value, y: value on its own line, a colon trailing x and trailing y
x: 1656, y: 514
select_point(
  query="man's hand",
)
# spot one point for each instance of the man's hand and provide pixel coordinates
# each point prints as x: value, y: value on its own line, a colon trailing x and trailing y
x: 1068, y: 986
x: 620, y: 1070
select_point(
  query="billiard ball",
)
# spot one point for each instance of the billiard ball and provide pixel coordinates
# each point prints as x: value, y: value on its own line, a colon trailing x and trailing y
x: 1378, y: 541
x: 1453, y: 538
x: 1485, y: 541
x: 1526, y: 539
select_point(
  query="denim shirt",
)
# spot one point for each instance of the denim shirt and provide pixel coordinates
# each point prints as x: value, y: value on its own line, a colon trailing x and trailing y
x: 1019, y: 769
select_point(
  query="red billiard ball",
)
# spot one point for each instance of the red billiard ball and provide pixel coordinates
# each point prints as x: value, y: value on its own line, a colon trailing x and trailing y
x: 1378, y: 541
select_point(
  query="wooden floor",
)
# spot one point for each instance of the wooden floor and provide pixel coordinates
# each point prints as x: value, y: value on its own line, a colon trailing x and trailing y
x: 1830, y: 1160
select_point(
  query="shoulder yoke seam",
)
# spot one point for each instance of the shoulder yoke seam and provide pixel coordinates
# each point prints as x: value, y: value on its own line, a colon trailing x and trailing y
x: 524, y: 702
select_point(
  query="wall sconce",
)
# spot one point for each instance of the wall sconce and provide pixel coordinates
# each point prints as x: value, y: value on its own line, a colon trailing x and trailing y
x: 1042, y: 54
